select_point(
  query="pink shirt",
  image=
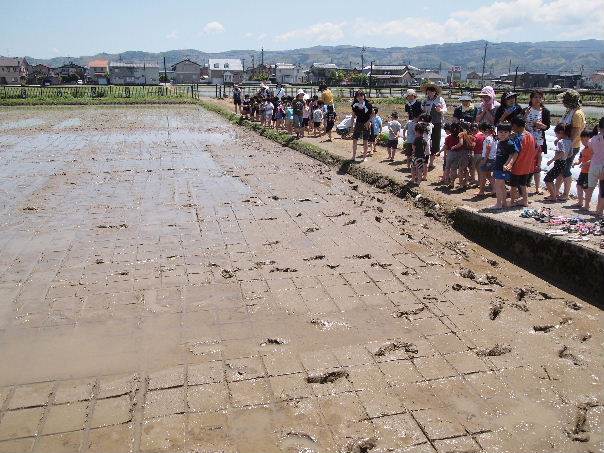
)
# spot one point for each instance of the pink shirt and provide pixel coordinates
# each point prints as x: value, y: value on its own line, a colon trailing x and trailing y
x: 597, y: 146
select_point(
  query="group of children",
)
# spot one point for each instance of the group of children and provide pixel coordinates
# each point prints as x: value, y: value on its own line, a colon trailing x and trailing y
x: 292, y: 114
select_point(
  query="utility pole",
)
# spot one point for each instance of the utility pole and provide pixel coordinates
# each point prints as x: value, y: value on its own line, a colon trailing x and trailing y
x: 370, y: 76
x: 580, y: 83
x: 165, y: 71
x: 515, y: 78
x: 262, y: 57
x: 253, y: 63
x: 243, y: 63
x: 484, y: 61
x: 510, y: 66
x: 363, y: 58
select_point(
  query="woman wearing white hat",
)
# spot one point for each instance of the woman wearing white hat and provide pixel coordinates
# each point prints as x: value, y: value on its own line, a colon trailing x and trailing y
x: 488, y: 106
x: 413, y: 107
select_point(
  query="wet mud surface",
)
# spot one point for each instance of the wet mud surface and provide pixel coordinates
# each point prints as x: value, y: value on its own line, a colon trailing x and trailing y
x: 171, y: 283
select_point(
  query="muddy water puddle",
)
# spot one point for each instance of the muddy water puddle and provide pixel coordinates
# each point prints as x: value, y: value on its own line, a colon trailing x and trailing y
x: 208, y: 290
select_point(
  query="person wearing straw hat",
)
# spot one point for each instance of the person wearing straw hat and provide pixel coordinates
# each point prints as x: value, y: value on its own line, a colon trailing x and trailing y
x: 488, y: 106
x: 298, y: 108
x: 466, y: 111
x: 413, y: 107
x: 434, y: 105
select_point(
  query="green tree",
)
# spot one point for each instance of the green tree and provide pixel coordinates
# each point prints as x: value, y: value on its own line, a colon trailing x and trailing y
x: 359, y: 79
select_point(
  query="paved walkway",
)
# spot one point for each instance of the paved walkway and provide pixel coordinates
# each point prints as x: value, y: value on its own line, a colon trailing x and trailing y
x: 171, y: 283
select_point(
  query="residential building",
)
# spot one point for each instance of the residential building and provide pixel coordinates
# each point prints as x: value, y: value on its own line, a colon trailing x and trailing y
x: 42, y: 74
x: 529, y: 80
x: 432, y: 76
x: 225, y: 71
x: 13, y: 71
x: 391, y: 75
x: 98, y: 72
x: 122, y: 73
x: 454, y: 75
x: 289, y: 73
x: 186, y: 71
x: 321, y: 72
x: 71, y: 72
x: 596, y: 80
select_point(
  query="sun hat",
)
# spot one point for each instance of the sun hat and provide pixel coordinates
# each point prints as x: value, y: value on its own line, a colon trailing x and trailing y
x: 465, y: 97
x: 411, y: 92
x: 431, y: 86
x: 571, y: 99
x: 509, y: 95
x: 300, y: 91
x: 487, y: 91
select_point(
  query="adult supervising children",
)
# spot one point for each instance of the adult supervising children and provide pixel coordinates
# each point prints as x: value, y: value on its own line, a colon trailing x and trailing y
x: 434, y: 105
x: 362, y: 112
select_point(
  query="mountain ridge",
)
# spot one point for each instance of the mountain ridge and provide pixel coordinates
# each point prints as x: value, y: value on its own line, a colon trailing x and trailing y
x: 546, y: 56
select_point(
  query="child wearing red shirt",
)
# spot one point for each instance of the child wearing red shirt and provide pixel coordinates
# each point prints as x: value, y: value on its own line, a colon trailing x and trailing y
x: 583, y: 190
x: 524, y: 165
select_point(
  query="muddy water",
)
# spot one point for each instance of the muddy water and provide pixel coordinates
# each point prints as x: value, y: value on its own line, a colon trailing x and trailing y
x: 170, y: 283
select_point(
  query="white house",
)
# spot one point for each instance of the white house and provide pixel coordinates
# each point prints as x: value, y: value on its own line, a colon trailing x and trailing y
x: 225, y: 71
x: 289, y: 73
x: 122, y: 73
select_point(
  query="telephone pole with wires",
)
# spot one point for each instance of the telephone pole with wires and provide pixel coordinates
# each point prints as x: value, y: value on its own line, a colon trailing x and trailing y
x: 484, y: 62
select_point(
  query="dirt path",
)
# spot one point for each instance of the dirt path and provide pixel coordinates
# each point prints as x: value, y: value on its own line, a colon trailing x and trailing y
x: 171, y: 283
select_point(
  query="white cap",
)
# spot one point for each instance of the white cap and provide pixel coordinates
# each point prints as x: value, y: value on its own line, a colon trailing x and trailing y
x: 411, y: 92
x: 300, y: 91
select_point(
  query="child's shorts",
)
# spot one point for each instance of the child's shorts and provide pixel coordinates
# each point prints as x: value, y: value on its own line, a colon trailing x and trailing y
x: 582, y: 180
x: 418, y: 163
x: 476, y: 159
x: 408, y: 149
x: 456, y: 160
x: 268, y: 116
x: 329, y: 125
x: 305, y: 121
x: 371, y: 137
x: 555, y: 171
x: 392, y: 143
x: 317, y: 124
x: 487, y: 167
x: 519, y: 180
x: 298, y: 121
x: 501, y: 175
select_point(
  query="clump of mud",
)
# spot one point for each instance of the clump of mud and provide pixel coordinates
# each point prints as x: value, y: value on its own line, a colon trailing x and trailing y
x: 495, y: 351
x: 327, y: 377
x: 362, y: 445
x: 395, y: 345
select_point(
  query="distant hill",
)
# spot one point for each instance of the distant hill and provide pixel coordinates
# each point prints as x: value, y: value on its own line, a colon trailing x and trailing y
x: 550, y: 56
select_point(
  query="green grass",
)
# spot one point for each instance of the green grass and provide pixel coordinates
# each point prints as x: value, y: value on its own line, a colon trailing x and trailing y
x: 96, y: 101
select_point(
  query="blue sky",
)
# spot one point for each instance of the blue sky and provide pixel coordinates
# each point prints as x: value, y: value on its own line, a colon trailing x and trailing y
x: 46, y: 28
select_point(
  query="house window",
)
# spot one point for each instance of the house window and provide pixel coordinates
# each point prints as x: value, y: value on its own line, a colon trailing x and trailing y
x: 226, y: 66
x: 216, y: 65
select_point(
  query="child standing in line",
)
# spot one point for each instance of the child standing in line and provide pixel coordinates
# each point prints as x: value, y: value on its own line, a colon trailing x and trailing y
x: 376, y: 129
x: 477, y: 153
x: 467, y: 138
x: 306, y: 113
x: 317, y: 119
x: 409, y: 137
x: 419, y: 153
x: 330, y: 121
x: 261, y: 110
x: 504, y: 159
x: 289, y: 117
x: 426, y: 120
x: 444, y: 150
x: 489, y: 151
x: 563, y: 151
x: 269, y: 108
x: 524, y: 165
x: 596, y: 167
x: 456, y: 162
x: 584, y: 192
x: 394, y: 128
x: 245, y: 106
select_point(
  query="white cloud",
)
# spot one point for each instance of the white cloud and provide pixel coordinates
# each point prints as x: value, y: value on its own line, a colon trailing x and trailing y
x: 172, y: 35
x: 213, y: 28
x: 325, y: 32
x: 499, y: 21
